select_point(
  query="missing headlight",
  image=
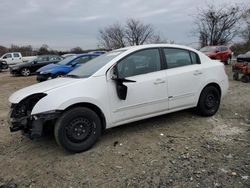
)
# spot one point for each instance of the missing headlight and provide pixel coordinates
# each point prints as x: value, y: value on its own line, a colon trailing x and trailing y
x: 25, y: 107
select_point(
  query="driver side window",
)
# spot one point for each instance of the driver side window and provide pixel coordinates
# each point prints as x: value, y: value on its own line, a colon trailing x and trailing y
x: 142, y: 62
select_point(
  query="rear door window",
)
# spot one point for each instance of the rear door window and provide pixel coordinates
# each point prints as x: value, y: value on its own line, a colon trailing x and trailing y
x: 177, y: 57
x: 16, y: 55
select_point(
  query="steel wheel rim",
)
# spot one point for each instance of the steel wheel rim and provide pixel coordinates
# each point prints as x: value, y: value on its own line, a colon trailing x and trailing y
x: 212, y: 100
x: 79, y: 129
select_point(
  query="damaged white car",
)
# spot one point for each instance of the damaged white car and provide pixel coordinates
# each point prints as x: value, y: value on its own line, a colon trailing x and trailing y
x: 119, y: 87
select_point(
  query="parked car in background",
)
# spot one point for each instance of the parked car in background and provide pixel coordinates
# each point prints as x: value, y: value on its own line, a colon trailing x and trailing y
x: 97, y: 52
x: 67, y: 55
x: 222, y: 53
x: 244, y: 57
x: 63, y: 67
x: 26, y: 69
x: 119, y: 87
x: 15, y: 58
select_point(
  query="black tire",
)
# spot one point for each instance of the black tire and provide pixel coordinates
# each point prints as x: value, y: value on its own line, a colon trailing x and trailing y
x: 209, y: 101
x: 78, y: 129
x: 236, y: 76
x: 5, y: 65
x: 245, y: 78
x: 25, y: 72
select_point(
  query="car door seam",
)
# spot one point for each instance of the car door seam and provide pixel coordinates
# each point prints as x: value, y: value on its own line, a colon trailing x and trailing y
x: 140, y: 105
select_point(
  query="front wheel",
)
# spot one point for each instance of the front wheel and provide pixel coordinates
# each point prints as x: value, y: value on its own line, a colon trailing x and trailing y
x: 25, y: 72
x: 5, y: 65
x: 209, y: 101
x: 78, y: 129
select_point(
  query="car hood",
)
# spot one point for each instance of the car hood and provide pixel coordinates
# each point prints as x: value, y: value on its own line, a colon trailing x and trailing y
x: 47, y: 67
x: 43, y: 87
x: 52, y: 68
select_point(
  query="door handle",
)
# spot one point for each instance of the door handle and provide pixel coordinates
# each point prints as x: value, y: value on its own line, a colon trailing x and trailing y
x: 197, y: 72
x: 159, y: 81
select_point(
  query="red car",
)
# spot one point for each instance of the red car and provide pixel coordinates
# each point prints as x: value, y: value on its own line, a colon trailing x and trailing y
x: 222, y: 53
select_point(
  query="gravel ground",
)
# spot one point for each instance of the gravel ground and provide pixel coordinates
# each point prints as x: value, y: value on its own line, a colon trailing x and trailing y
x: 175, y: 150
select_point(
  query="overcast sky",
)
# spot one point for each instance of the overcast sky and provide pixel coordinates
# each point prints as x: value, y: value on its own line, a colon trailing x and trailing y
x: 64, y: 24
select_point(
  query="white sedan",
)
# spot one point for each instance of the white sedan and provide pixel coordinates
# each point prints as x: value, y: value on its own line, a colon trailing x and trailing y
x: 119, y: 87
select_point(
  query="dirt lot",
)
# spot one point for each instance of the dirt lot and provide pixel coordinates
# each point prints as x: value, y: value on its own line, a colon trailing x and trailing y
x: 174, y: 150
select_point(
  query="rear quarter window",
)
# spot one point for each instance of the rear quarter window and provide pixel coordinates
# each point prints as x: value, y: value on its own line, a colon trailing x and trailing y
x: 16, y: 55
x: 195, y: 58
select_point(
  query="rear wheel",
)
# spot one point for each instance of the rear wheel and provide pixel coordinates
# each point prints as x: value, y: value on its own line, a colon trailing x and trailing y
x: 209, y: 101
x: 78, y: 129
x: 245, y: 78
x: 25, y: 72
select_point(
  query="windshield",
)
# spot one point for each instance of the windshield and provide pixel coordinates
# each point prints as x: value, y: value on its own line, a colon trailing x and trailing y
x: 39, y: 59
x: 66, y: 60
x: 90, y: 67
x: 208, y: 49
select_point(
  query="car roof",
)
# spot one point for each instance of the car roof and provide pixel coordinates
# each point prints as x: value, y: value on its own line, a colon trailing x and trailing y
x: 81, y: 55
x: 145, y: 46
x: 217, y: 46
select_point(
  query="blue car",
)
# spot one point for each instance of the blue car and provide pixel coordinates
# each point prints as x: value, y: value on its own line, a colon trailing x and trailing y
x: 63, y: 67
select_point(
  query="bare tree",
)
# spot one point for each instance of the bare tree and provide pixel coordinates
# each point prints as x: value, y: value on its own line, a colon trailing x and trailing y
x: 158, y: 39
x: 134, y: 32
x: 43, y: 50
x: 217, y: 25
x: 3, y: 50
x: 76, y: 50
x: 138, y: 33
x: 245, y: 33
x: 112, y: 37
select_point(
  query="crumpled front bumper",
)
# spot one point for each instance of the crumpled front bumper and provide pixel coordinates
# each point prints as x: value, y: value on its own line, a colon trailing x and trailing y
x: 32, y: 125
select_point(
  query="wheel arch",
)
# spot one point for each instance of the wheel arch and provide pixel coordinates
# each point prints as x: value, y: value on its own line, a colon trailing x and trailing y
x: 93, y: 107
x: 213, y: 84
x: 209, y: 84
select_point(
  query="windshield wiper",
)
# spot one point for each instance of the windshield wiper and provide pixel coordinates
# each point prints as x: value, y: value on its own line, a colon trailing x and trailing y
x: 72, y: 76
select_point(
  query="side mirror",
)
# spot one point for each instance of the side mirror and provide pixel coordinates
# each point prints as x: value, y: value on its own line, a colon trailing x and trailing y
x: 35, y: 62
x: 217, y: 51
x: 121, y: 89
